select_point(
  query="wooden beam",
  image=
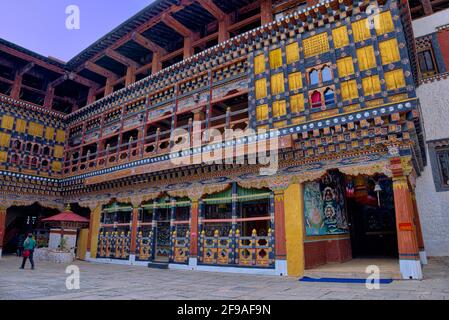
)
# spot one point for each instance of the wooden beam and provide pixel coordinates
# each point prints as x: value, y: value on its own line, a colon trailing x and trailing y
x: 59, y: 81
x: 130, y: 76
x: 91, y: 96
x: 213, y: 9
x: 266, y: 11
x: 427, y: 7
x: 223, y: 29
x: 81, y: 80
x: 109, y: 88
x: 147, y: 43
x: 26, y: 57
x: 156, y: 64
x: 16, y: 86
x: 176, y: 25
x: 121, y: 58
x: 49, y: 96
x: 99, y: 70
x: 26, y: 68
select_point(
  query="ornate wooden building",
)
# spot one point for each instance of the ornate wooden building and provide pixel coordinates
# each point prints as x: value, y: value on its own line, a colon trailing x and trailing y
x: 332, y: 83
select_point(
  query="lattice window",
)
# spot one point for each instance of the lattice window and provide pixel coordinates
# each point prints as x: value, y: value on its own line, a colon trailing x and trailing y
x: 427, y: 63
x: 316, y: 45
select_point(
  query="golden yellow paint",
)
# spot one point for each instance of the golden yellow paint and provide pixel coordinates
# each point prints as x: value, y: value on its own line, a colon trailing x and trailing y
x: 277, y: 83
x: 276, y: 58
x: 95, y: 229
x: 60, y: 135
x: 316, y: 45
x: 7, y: 122
x: 292, y: 52
x: 21, y: 125
x: 294, y: 229
x: 82, y: 244
x: 340, y: 37
x: 259, y: 64
x: 49, y: 133
x: 3, y: 156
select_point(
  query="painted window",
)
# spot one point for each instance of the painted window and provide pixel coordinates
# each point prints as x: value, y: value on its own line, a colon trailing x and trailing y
x: 316, y: 99
x: 60, y: 135
x: 349, y: 90
x: 297, y: 103
x: 345, y: 67
x: 7, y: 122
x: 277, y: 83
x: 295, y: 81
x: 442, y: 155
x: 316, y: 45
x: 389, y: 51
x: 427, y: 64
x: 360, y: 30
x: 329, y: 97
x: 314, y: 77
x: 262, y: 112
x: 21, y: 125
x: 371, y: 85
x: 279, y: 108
x: 366, y: 58
x: 340, y: 37
x: 326, y: 74
x: 383, y: 23
x: 292, y: 52
x: 261, y: 88
x: 276, y: 58
x: 395, y: 79
x: 259, y: 64
x: 4, y: 139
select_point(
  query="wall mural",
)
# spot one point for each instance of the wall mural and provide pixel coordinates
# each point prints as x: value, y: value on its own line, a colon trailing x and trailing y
x: 324, y: 206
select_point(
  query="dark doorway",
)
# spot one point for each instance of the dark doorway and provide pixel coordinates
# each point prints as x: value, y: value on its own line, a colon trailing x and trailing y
x: 371, y: 214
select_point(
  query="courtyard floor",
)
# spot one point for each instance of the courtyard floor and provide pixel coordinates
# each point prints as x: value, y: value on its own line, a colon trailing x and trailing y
x: 106, y: 281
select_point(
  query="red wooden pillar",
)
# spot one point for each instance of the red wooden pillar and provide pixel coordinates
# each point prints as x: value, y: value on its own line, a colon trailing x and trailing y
x: 2, y: 227
x: 409, y: 261
x: 279, y: 233
x: 156, y: 64
x: 223, y: 30
x: 134, y: 226
x: 194, y: 229
x: 188, y: 47
x: 130, y: 75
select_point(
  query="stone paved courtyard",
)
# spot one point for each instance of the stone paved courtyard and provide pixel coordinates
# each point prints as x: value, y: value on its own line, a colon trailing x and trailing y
x: 101, y: 281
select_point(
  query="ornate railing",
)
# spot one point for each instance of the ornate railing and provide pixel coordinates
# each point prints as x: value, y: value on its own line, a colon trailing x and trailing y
x: 114, y: 245
x: 144, y: 246
x: 252, y: 251
x: 180, y: 248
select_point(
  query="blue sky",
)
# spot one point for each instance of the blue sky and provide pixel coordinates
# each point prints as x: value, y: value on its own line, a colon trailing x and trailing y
x: 40, y: 25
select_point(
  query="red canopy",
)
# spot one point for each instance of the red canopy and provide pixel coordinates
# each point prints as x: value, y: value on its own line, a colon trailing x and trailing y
x: 66, y: 216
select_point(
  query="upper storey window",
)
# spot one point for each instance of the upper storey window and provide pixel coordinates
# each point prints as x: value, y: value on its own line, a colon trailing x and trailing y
x: 389, y: 51
x: 340, y: 37
x: 366, y: 58
x: 316, y: 45
x: 326, y: 74
x: 314, y: 77
x: 259, y: 64
x: 361, y: 30
x: 292, y: 52
x: 276, y: 58
x: 426, y: 61
x: 383, y: 23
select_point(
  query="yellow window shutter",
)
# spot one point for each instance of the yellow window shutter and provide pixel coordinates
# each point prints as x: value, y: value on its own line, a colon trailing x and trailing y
x: 60, y: 135
x: 262, y: 112
x: 3, y: 156
x: 371, y: 85
x: 292, y: 52
x: 259, y: 64
x: 21, y: 125
x: 277, y: 83
x: 7, y: 122
x: 340, y: 37
x: 366, y: 58
x: 35, y: 129
x: 389, y: 51
x: 261, y: 88
x: 295, y: 81
x: 279, y: 108
x: 349, y: 90
x: 361, y: 30
x: 49, y: 133
x: 275, y: 58
x: 345, y: 67
x: 4, y: 139
x: 316, y: 45
x: 383, y: 23
x: 395, y: 79
x: 297, y: 103
x: 56, y: 166
x: 59, y: 151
